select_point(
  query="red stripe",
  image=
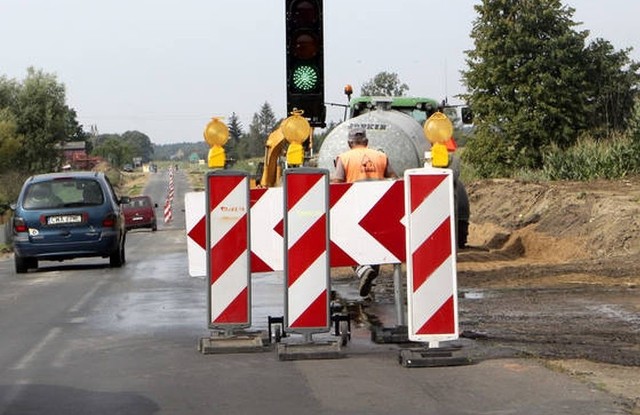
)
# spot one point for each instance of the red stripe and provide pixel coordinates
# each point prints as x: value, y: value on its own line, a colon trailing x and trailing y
x: 316, y: 315
x: 338, y: 257
x: 431, y: 254
x: 422, y: 186
x: 255, y: 195
x: 237, y: 311
x: 220, y: 187
x: 258, y: 265
x: 307, y: 249
x: 298, y: 185
x: 336, y: 191
x: 228, y: 249
x: 442, y: 321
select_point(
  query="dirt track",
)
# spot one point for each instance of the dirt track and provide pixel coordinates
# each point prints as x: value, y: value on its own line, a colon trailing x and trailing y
x: 553, y: 271
x: 558, y: 267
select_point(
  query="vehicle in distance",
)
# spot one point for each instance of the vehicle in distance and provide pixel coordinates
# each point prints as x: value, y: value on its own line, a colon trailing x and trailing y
x: 61, y: 216
x: 140, y: 213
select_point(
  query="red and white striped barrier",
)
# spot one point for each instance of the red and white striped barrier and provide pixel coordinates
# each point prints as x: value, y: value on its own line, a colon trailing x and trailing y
x: 196, y: 226
x: 366, y: 226
x: 228, y: 263
x: 431, y: 261
x: 168, y: 204
x: 306, y: 215
x: 267, y: 229
x: 306, y: 243
x: 168, y: 212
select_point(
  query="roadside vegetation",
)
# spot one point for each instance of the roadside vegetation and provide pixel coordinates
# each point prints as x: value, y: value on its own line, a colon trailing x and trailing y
x: 546, y: 102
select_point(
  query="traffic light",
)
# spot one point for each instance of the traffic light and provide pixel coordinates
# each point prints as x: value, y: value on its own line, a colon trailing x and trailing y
x: 305, y: 62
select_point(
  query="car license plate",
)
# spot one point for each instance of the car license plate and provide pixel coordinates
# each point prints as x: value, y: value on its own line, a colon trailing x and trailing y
x: 138, y: 218
x: 64, y: 219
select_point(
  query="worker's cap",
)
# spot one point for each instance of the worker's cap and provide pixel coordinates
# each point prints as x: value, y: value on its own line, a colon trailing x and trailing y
x: 357, y: 134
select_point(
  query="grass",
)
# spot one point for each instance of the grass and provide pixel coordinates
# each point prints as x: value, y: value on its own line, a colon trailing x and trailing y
x: 132, y: 184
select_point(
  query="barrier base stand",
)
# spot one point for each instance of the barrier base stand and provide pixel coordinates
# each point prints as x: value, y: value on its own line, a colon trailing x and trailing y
x: 309, y: 350
x: 433, y: 357
x: 398, y: 334
x: 234, y: 342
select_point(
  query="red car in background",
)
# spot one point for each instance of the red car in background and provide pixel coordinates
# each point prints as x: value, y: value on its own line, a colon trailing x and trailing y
x: 140, y: 213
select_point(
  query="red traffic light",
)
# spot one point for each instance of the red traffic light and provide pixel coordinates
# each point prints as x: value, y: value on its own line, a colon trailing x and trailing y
x: 304, y: 13
x: 305, y: 46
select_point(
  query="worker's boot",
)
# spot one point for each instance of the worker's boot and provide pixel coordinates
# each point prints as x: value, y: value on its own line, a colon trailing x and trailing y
x: 366, y: 274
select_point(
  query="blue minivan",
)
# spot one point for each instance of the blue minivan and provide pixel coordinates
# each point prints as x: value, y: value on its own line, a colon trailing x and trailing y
x: 60, y: 216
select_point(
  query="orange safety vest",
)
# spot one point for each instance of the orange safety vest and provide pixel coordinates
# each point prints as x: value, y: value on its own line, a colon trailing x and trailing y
x: 363, y: 163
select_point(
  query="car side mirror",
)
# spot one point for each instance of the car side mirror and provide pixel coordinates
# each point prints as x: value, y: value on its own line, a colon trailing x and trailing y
x: 155, y: 205
x: 13, y: 206
x: 124, y: 200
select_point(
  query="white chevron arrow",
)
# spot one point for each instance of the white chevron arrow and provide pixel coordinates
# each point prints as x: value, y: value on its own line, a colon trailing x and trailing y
x: 346, y: 231
x: 266, y: 213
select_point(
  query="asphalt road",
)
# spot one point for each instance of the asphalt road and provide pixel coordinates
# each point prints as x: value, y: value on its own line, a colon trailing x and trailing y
x: 81, y: 338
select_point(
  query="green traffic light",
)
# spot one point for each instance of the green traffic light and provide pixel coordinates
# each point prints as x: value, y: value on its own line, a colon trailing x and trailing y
x: 305, y: 78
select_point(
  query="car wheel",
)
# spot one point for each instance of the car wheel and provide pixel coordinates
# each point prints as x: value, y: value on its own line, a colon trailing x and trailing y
x: 117, y: 259
x: 32, y: 263
x: 22, y: 264
x: 154, y: 227
x: 122, y: 253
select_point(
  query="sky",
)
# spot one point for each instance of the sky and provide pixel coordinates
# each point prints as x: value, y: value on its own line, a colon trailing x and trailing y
x: 166, y: 67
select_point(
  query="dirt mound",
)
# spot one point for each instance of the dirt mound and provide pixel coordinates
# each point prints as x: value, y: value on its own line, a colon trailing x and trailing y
x: 555, y: 272
x: 556, y: 221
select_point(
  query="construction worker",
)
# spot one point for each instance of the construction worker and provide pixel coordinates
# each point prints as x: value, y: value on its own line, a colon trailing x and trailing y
x: 357, y: 164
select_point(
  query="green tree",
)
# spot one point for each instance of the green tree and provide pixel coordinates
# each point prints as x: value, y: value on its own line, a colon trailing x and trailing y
x: 102, y: 138
x: 115, y: 151
x: 633, y: 131
x: 75, y: 131
x: 613, y: 86
x: 41, y: 117
x: 140, y: 145
x: 9, y: 89
x: 44, y: 120
x: 526, y: 83
x: 235, y: 134
x: 385, y: 84
x: 10, y: 142
x: 263, y: 123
